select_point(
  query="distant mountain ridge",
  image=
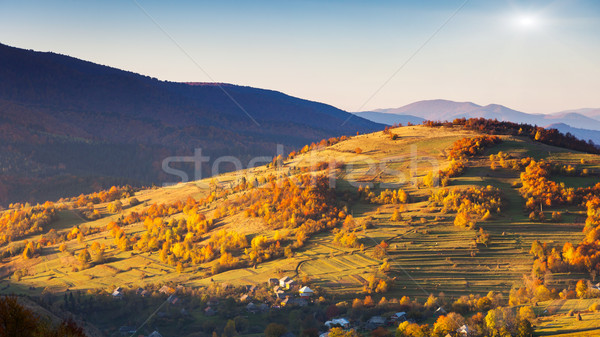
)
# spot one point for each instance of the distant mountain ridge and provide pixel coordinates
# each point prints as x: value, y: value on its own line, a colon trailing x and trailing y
x: 580, y: 122
x: 63, y: 119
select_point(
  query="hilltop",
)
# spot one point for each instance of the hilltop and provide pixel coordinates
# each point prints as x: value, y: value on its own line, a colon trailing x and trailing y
x: 70, y: 126
x: 437, y: 210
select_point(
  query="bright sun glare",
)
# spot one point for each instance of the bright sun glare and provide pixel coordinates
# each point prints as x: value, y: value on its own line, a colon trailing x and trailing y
x: 527, y: 21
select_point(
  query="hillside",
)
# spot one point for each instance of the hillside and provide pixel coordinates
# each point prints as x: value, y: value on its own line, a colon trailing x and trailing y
x: 69, y: 126
x: 353, y: 218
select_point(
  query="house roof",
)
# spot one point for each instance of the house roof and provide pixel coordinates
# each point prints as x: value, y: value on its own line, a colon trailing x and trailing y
x: 440, y: 310
x: 166, y: 290
x: 306, y: 289
x: 340, y: 321
x: 285, y: 279
x: 464, y: 328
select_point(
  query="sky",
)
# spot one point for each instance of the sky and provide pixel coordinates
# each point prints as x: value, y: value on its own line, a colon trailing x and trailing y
x: 532, y: 56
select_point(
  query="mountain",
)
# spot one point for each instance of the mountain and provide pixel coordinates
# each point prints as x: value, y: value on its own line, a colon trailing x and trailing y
x: 588, y: 112
x: 441, y: 110
x: 70, y: 126
x: 388, y: 118
x: 575, y: 120
x: 584, y: 134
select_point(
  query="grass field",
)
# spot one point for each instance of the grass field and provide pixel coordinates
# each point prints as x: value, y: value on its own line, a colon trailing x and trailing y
x: 556, y: 321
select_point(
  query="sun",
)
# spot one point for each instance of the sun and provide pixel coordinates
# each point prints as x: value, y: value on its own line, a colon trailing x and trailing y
x: 526, y: 21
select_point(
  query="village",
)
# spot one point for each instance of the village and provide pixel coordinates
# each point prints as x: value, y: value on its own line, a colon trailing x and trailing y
x: 281, y: 294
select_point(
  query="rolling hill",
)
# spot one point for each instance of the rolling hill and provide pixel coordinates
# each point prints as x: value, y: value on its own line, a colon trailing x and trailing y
x: 353, y: 218
x: 70, y: 126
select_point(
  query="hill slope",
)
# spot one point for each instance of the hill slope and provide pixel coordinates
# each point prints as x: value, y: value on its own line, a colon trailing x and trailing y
x: 68, y: 125
x: 313, y: 218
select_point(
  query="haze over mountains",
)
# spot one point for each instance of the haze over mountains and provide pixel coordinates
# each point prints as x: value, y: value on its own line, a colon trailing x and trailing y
x: 582, y: 123
x: 69, y: 126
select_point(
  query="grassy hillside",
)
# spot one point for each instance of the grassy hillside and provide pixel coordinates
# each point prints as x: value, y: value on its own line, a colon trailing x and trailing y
x: 426, y: 252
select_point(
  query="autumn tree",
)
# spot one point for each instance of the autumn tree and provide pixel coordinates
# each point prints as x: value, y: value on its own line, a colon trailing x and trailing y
x: 275, y: 330
x: 448, y: 324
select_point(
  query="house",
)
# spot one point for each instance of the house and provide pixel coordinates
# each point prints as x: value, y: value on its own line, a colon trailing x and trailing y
x: 398, y: 317
x: 166, y: 290
x: 306, y: 292
x: 145, y: 293
x: 155, y: 334
x: 463, y: 331
x: 596, y: 286
x: 279, y: 293
x: 272, y: 282
x: 286, y: 282
x: 139, y: 291
x: 173, y: 299
x: 342, y: 322
x: 250, y: 288
x: 440, y: 311
x: 118, y: 293
x: 244, y: 298
x: 287, y: 302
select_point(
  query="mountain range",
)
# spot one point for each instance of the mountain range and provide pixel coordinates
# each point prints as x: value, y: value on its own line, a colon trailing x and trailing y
x: 69, y: 126
x: 582, y: 123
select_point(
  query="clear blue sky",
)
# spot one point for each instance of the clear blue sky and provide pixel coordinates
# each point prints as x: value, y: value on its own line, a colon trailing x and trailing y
x: 534, y: 56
